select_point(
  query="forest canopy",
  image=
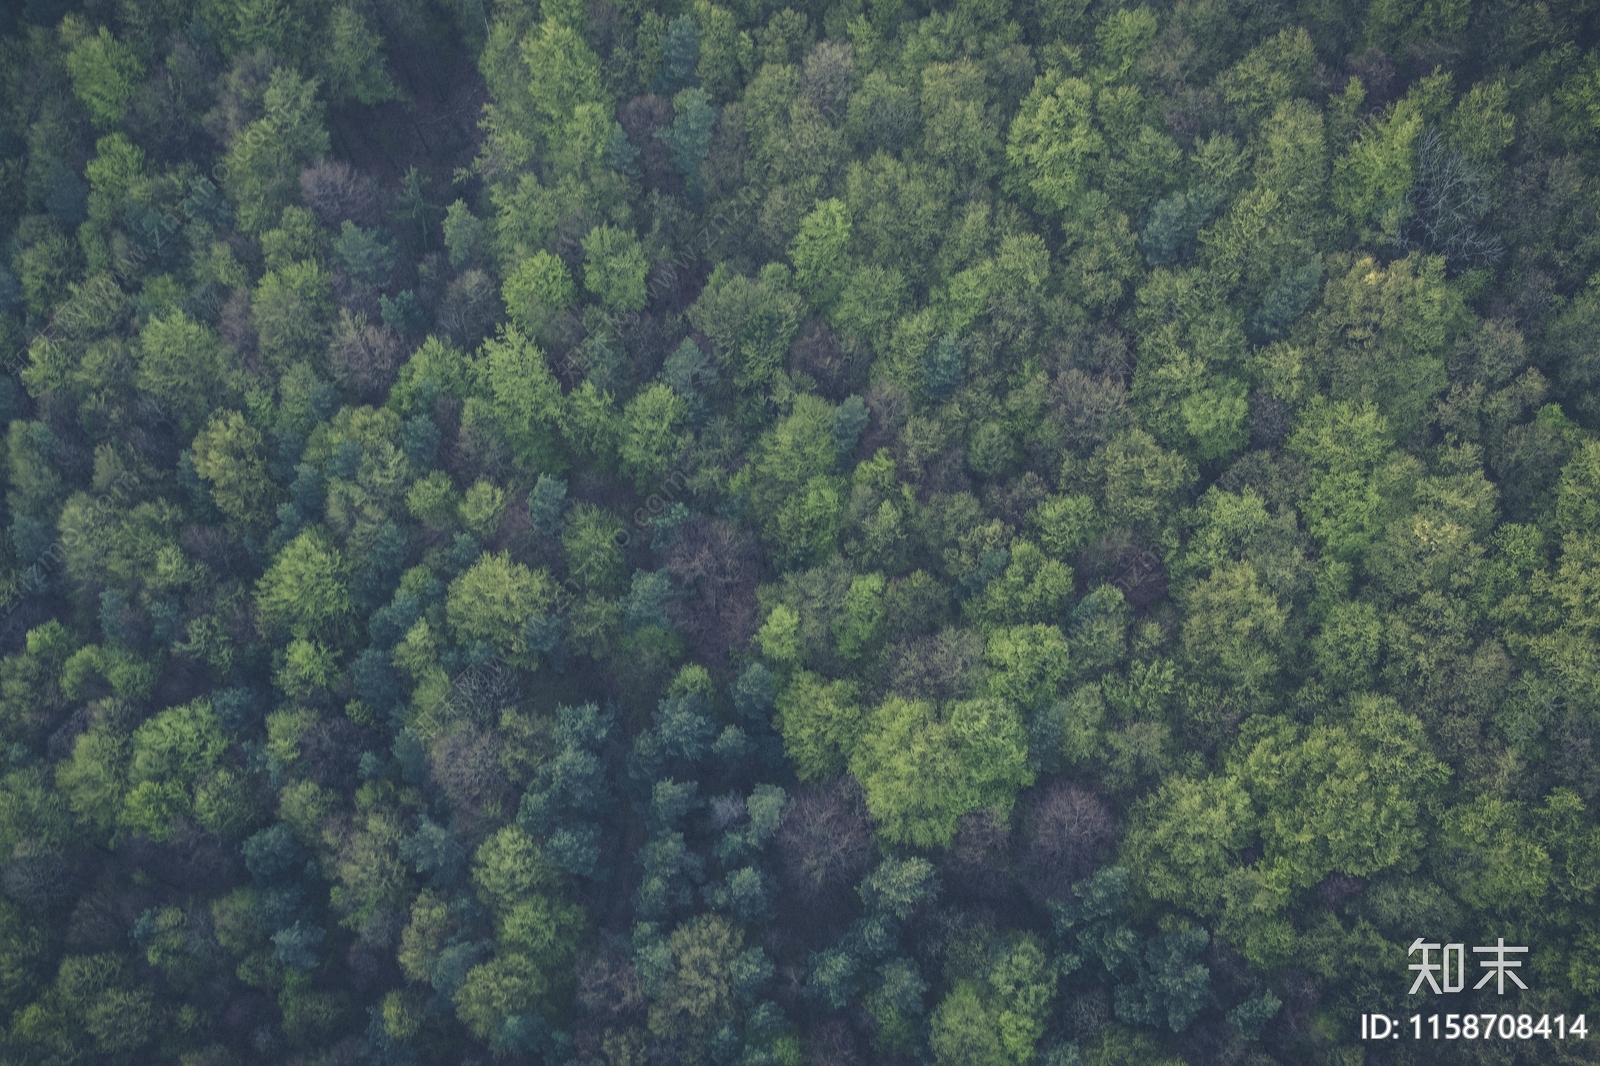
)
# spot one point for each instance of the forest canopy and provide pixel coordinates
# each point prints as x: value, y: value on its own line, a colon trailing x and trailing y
x: 795, y: 532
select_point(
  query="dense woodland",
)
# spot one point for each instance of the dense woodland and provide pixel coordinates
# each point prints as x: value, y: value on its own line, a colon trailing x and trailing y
x: 605, y: 534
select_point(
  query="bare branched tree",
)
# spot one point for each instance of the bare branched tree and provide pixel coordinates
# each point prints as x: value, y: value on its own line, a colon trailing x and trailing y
x: 1450, y: 201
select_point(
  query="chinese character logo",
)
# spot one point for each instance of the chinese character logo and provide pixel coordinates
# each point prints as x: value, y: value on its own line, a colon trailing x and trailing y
x: 1500, y: 967
x: 1451, y: 969
x: 1426, y: 968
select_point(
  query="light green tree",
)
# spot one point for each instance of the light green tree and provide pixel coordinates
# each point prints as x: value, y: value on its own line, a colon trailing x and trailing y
x: 1027, y: 664
x: 173, y: 753
x: 229, y: 453
x: 922, y: 771
x: 505, y: 986
x: 1384, y: 334
x: 614, y: 268
x: 482, y: 507
x: 508, y: 866
x: 493, y: 601
x: 1186, y: 837
x: 795, y: 451
x: 820, y: 722
x: 294, y: 311
x: 857, y: 624
x: 806, y: 527
x: 592, y: 540
x: 1341, y: 797
x: 652, y: 434
x: 1372, y: 180
x: 298, y: 235
x: 1143, y: 482
x: 1493, y: 860
x: 562, y: 72
x: 1345, y: 445
x: 306, y: 589
x: 1033, y: 588
x: 1274, y: 71
x: 105, y: 71
x: 726, y: 52
x: 779, y: 635
x: 184, y: 367
x: 1063, y: 524
x: 997, y: 1015
x: 536, y: 292
x: 963, y: 1032
x: 1053, y: 143
x: 1233, y: 629
x: 94, y: 779
x: 1481, y: 126
x: 819, y: 252
x: 265, y: 158
x: 957, y: 130
x: 523, y: 400
x: 352, y: 61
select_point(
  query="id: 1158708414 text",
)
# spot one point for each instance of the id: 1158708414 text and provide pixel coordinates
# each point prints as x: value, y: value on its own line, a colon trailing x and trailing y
x: 1475, y: 1027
